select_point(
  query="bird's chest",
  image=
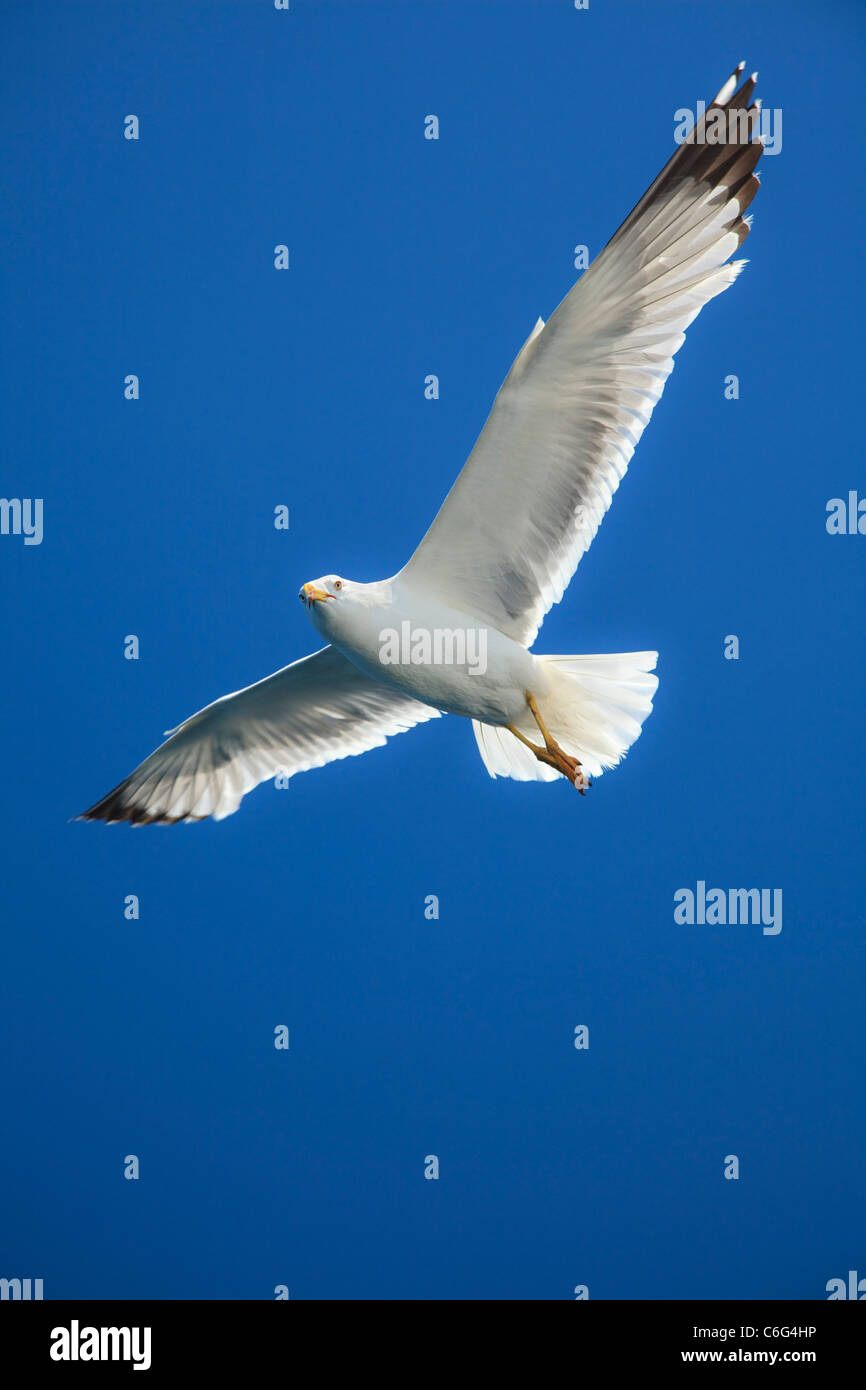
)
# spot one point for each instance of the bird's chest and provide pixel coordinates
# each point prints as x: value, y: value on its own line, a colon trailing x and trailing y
x: 440, y: 656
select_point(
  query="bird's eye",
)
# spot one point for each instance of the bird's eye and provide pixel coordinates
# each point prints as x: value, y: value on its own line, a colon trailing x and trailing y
x: 338, y: 583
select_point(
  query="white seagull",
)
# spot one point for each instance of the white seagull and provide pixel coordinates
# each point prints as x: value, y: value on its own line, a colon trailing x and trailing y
x: 452, y: 631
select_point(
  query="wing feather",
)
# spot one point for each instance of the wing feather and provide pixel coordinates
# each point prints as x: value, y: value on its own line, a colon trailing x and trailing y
x: 310, y: 713
x: 571, y: 411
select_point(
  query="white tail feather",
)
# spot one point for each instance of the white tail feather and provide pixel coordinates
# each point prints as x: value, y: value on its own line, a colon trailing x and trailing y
x: 594, y: 710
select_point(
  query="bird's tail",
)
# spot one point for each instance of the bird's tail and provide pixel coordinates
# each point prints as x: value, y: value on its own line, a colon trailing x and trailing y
x: 594, y: 710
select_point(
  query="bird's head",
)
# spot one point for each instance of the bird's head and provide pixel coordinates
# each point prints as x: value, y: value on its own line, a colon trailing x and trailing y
x: 320, y: 590
x: 323, y: 597
x: 340, y: 607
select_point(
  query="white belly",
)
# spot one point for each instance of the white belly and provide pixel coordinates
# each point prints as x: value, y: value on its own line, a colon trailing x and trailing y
x: 443, y: 657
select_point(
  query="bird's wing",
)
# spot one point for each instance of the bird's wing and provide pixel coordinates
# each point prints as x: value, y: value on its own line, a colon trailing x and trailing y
x: 310, y: 713
x: 566, y: 421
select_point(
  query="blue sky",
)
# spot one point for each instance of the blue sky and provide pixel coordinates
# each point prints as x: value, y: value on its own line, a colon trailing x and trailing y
x: 411, y: 1037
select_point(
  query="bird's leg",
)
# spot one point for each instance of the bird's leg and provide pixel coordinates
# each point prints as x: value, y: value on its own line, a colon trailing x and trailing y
x: 551, y: 753
x: 555, y: 757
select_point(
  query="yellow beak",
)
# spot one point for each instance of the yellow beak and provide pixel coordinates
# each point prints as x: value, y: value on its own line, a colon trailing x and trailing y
x: 311, y: 593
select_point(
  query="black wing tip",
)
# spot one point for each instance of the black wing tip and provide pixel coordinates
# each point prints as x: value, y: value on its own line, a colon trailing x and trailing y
x: 728, y: 162
x: 732, y: 90
x: 114, y: 810
x: 732, y: 161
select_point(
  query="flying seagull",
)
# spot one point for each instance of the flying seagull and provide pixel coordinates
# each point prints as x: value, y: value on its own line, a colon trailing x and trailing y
x: 452, y: 632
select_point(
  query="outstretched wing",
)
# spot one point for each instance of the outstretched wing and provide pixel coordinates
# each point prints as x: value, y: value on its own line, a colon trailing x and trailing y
x: 566, y: 421
x: 310, y: 713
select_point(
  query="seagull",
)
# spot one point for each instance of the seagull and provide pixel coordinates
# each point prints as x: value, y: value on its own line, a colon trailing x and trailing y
x: 452, y: 632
